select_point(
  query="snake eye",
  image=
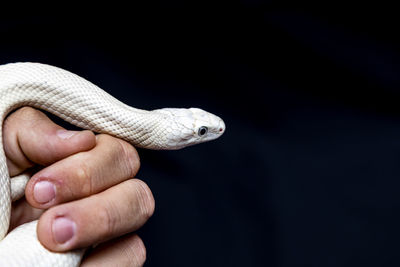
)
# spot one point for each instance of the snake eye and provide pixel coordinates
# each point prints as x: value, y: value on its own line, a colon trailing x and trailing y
x: 202, y: 131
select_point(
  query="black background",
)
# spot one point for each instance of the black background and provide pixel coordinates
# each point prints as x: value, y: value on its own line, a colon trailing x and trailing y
x: 307, y: 173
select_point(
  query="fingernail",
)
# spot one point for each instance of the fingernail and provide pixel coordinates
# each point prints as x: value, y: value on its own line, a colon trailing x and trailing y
x: 64, y: 134
x: 44, y: 191
x: 63, y: 229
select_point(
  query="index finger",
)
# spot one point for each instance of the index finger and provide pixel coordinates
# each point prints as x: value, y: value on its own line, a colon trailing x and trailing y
x: 30, y: 138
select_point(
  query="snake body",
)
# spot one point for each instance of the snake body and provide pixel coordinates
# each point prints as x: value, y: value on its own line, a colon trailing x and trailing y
x: 85, y: 105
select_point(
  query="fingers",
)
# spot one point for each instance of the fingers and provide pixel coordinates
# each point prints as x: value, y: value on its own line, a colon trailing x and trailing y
x: 82, y: 166
x: 128, y: 250
x: 109, y: 163
x: 30, y: 137
x: 116, y: 211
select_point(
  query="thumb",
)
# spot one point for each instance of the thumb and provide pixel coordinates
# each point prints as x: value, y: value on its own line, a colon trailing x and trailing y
x: 30, y: 138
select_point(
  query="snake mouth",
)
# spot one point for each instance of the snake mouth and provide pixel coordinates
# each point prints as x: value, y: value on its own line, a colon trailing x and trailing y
x: 221, y: 127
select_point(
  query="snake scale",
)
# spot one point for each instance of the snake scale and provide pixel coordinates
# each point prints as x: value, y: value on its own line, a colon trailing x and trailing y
x: 85, y: 105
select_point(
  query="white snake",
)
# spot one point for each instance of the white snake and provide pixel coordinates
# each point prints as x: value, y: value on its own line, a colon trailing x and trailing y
x: 85, y: 105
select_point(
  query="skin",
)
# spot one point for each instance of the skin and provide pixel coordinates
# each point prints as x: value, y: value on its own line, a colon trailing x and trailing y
x: 94, y: 188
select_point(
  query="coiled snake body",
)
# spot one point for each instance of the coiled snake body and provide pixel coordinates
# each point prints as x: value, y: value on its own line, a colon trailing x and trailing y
x: 85, y: 105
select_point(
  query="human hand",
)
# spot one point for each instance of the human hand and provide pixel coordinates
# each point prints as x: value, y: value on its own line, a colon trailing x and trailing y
x: 86, y: 186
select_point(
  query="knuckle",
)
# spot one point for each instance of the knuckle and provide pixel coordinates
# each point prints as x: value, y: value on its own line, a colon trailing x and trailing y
x: 22, y: 115
x: 109, y: 220
x: 27, y: 115
x: 130, y: 158
x: 145, y: 198
x: 123, y: 153
x: 134, y: 248
x: 27, y: 112
x: 84, y: 178
x: 139, y: 250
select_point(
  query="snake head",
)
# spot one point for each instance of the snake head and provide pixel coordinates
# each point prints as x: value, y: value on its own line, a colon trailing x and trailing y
x: 186, y: 127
